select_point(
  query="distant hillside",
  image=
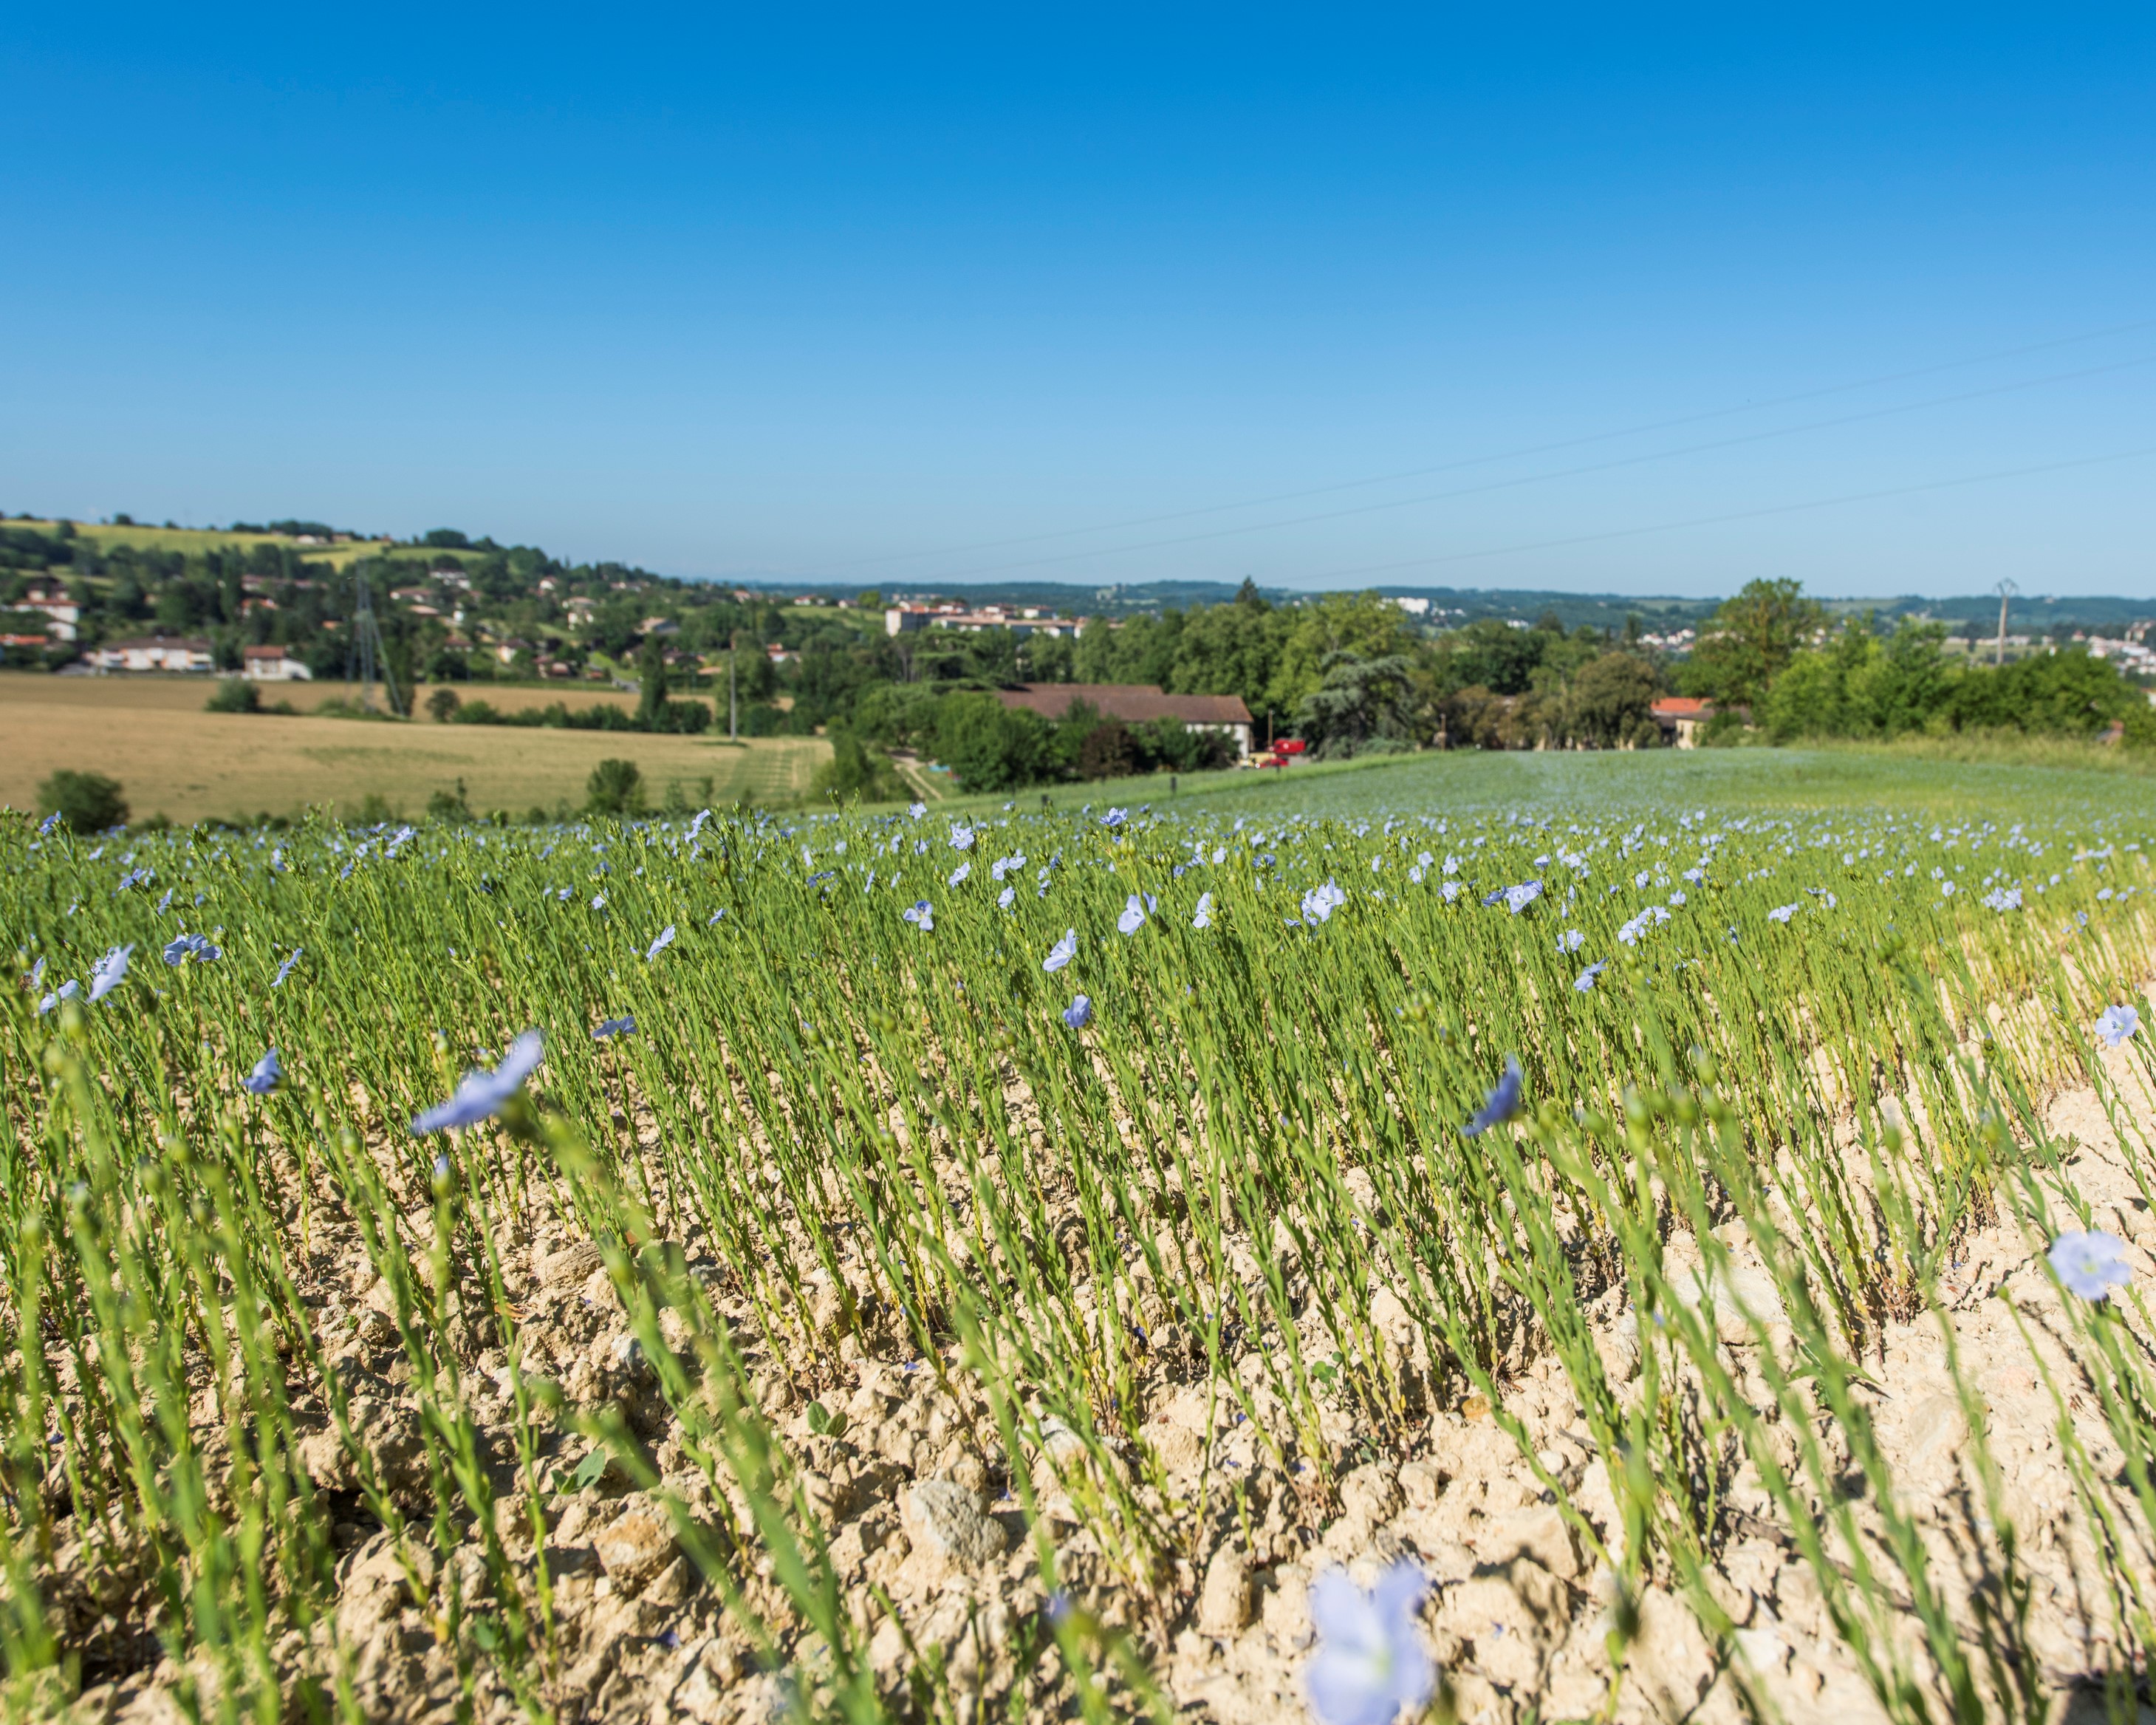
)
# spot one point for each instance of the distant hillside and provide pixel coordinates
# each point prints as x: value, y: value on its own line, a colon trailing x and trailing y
x: 308, y: 540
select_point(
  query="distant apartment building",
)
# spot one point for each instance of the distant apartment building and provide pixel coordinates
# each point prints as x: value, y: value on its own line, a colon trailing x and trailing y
x: 1138, y: 704
x: 905, y: 619
x: 155, y: 653
x: 272, y: 665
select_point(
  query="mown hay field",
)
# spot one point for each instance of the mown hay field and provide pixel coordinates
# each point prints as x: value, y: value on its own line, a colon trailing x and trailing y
x: 1524, y: 1259
x: 174, y: 759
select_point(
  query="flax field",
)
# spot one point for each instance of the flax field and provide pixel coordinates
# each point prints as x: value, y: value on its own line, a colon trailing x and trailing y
x: 1102, y: 1264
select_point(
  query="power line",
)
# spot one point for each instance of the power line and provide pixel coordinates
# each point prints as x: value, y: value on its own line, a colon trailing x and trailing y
x: 1544, y: 449
x: 1537, y: 478
x: 1742, y: 515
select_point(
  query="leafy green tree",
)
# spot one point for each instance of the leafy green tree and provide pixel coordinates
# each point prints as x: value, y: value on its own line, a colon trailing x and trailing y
x: 615, y: 787
x: 234, y: 695
x: 651, y: 681
x: 1363, y: 624
x: 856, y: 772
x: 87, y: 802
x: 1609, y: 699
x: 442, y: 704
x: 1751, y: 639
x: 1359, y: 699
x: 990, y: 747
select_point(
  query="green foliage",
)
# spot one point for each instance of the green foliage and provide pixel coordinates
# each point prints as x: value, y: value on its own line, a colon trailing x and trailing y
x: 1610, y: 700
x: 857, y: 772
x: 87, y: 802
x: 615, y: 787
x: 1751, y: 639
x: 990, y: 747
x: 451, y: 805
x: 234, y: 695
x: 443, y: 705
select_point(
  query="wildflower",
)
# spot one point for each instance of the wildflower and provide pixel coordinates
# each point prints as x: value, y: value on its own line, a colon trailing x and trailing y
x: 625, y: 1025
x: 67, y: 991
x: 48, y: 823
x: 1584, y: 982
x: 1006, y: 897
x: 598, y: 901
x: 917, y: 809
x: 1781, y: 913
x: 960, y: 873
x: 105, y: 977
x: 284, y: 969
x: 265, y: 1077
x: 1518, y: 898
x: 1114, y: 816
x: 1502, y: 1103
x: 715, y: 915
x: 1678, y: 899
x: 962, y: 838
x: 1571, y: 941
x: 921, y: 915
x: 2116, y: 1024
x: 1062, y: 953
x: 1203, y: 919
x: 1319, y: 904
x: 165, y: 903
x: 1079, y: 1013
x: 665, y: 940
x: 1369, y: 1666
x: 1641, y: 879
x: 1134, y: 917
x: 2002, y: 898
x: 483, y: 1094
x: 2090, y: 1264
x: 1946, y: 889
x: 1697, y: 876
x: 1451, y: 891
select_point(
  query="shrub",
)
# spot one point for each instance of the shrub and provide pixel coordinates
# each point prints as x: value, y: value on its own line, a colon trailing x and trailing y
x: 442, y: 704
x: 87, y: 802
x: 616, y: 787
x: 235, y: 695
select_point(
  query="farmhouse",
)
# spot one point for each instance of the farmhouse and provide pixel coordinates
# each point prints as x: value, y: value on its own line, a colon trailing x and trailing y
x: 1682, y: 717
x: 273, y: 665
x: 1137, y: 704
x: 61, y: 614
x: 155, y: 652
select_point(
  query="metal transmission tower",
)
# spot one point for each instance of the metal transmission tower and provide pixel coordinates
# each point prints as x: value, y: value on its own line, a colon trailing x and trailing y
x: 2006, y: 589
x: 368, y: 644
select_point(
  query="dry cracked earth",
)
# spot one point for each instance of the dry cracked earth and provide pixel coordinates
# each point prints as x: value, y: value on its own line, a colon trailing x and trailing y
x: 935, y: 1559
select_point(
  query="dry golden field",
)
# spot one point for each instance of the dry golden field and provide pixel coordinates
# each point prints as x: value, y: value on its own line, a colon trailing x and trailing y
x: 174, y: 759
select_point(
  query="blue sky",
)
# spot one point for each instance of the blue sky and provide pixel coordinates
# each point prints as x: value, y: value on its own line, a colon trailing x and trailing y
x: 1657, y: 303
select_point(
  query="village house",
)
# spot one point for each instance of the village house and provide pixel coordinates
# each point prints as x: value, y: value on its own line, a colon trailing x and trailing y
x: 1682, y: 717
x: 155, y: 653
x: 1138, y: 704
x: 272, y: 665
x: 61, y: 614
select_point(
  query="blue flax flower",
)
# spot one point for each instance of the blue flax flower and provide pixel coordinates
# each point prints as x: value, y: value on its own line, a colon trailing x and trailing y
x: 67, y: 991
x: 1134, y: 915
x: 2116, y: 1024
x: 191, y: 946
x: 1369, y: 1666
x: 48, y: 823
x: 284, y: 969
x: 1502, y: 1103
x: 665, y: 940
x: 1062, y: 953
x: 1006, y: 897
x: 623, y: 1026
x: 1584, y: 982
x: 1781, y: 913
x: 2090, y: 1264
x: 1079, y: 1013
x: 111, y: 969
x: 265, y: 1076
x: 959, y: 874
x: 483, y: 1094
x: 1320, y: 902
x: 1203, y: 919
x: 921, y: 915
x: 1518, y: 898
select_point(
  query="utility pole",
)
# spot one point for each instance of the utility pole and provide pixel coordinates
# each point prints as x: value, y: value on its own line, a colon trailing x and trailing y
x: 367, y: 638
x: 733, y: 710
x: 2006, y: 589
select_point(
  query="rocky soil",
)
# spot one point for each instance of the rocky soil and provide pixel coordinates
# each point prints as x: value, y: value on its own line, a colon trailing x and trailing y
x: 936, y: 1560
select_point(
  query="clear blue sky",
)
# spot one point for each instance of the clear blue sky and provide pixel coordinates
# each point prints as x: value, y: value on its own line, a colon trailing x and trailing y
x: 904, y: 294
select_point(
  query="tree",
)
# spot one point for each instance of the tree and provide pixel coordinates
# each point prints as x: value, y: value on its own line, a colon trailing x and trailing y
x: 990, y: 747
x: 442, y: 704
x: 651, y: 681
x: 1105, y: 752
x: 1610, y: 698
x: 1752, y: 638
x: 87, y: 802
x: 1359, y: 699
x: 1360, y: 624
x: 234, y: 695
x: 856, y: 773
x: 615, y: 787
